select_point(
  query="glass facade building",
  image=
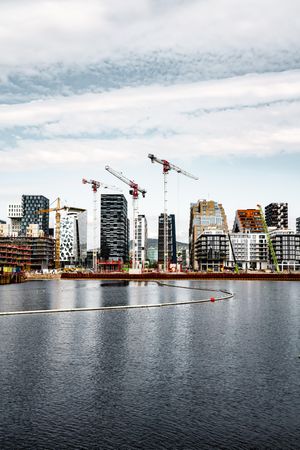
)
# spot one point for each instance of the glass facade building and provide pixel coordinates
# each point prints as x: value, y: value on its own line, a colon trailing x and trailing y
x: 114, y: 229
x: 172, y: 253
x: 30, y: 205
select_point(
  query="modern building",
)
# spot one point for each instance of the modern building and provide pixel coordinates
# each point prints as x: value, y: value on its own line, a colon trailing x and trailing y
x: 141, y: 239
x: 250, y: 250
x: 211, y: 250
x: 73, y: 237
x: 277, y: 215
x: 286, y: 244
x: 172, y: 253
x: 30, y: 205
x: 298, y: 225
x: 204, y: 215
x: 41, y: 249
x: 248, y: 221
x: 15, y: 214
x: 152, y: 254
x: 14, y: 257
x: 114, y: 230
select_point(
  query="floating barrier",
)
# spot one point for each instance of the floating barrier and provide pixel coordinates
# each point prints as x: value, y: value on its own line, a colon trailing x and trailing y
x: 226, y: 295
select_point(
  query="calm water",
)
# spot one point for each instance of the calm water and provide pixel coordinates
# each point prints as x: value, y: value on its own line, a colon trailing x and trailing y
x: 222, y: 375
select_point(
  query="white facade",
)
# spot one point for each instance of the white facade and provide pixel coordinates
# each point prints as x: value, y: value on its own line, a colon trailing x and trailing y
x: 141, y: 238
x: 15, y: 214
x: 73, y: 236
x: 33, y: 230
x: 250, y: 249
x: 5, y: 230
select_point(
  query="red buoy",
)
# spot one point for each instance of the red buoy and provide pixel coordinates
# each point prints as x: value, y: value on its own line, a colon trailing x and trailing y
x: 212, y: 299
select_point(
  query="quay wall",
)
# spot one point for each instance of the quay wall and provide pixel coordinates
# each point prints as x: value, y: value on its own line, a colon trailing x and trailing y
x: 183, y: 276
x: 9, y: 278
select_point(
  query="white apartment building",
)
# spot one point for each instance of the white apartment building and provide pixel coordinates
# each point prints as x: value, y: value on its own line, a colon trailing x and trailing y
x: 141, y: 239
x: 250, y: 249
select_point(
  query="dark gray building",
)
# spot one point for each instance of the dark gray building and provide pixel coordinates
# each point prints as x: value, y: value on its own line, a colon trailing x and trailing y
x: 286, y: 244
x: 172, y: 252
x: 114, y: 232
x: 298, y: 225
x: 211, y: 250
x: 30, y: 205
x: 277, y: 215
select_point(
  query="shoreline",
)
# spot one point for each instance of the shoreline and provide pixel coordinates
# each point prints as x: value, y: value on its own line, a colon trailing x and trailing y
x: 182, y: 276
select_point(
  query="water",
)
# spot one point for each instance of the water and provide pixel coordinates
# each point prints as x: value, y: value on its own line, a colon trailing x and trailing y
x: 222, y: 375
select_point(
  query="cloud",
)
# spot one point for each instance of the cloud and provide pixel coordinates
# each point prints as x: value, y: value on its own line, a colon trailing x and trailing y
x: 249, y: 115
x: 59, y: 43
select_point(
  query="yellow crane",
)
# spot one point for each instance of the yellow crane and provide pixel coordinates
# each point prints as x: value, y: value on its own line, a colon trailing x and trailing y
x: 57, y: 210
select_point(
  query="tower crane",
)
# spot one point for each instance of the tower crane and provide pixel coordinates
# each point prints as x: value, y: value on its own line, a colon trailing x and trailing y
x: 167, y: 167
x: 270, y: 244
x: 57, y: 210
x: 135, y: 190
x: 95, y: 186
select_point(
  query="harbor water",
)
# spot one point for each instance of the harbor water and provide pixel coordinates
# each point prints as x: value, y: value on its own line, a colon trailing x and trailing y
x: 223, y: 375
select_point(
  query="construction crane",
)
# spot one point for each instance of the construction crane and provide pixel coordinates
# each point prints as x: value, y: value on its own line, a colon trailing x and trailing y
x: 135, y: 190
x: 167, y: 167
x: 57, y: 210
x: 269, y: 241
x: 95, y: 186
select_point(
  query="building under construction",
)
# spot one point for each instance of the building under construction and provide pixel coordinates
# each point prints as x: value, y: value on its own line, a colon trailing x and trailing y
x: 41, y: 250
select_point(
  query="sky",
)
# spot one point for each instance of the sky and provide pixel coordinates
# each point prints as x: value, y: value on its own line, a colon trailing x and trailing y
x: 213, y: 86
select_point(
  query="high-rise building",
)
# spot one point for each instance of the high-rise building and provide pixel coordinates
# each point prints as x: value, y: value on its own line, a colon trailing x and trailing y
x: 248, y: 221
x: 141, y: 239
x: 15, y: 214
x: 114, y: 233
x: 298, y: 225
x: 277, y: 215
x: 30, y: 205
x: 73, y: 236
x: 204, y: 215
x: 172, y: 253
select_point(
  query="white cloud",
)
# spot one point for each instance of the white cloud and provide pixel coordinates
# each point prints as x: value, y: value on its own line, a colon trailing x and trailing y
x: 35, y: 32
x: 249, y: 115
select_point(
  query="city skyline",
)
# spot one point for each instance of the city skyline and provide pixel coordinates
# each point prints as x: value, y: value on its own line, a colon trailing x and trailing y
x: 171, y: 78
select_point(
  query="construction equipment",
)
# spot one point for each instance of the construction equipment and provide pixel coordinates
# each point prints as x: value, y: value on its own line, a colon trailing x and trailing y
x: 236, y: 267
x: 57, y: 210
x: 269, y: 241
x: 135, y: 190
x: 95, y: 186
x: 167, y: 166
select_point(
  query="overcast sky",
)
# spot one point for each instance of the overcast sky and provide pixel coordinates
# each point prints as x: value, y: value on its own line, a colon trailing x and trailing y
x: 211, y: 85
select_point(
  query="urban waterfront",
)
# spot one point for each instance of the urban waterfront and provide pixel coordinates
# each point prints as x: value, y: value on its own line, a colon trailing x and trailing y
x: 213, y: 375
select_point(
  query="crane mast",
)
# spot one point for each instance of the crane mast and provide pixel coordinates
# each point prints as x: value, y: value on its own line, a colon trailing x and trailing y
x: 95, y: 185
x: 167, y: 167
x: 134, y: 191
x: 57, y: 210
